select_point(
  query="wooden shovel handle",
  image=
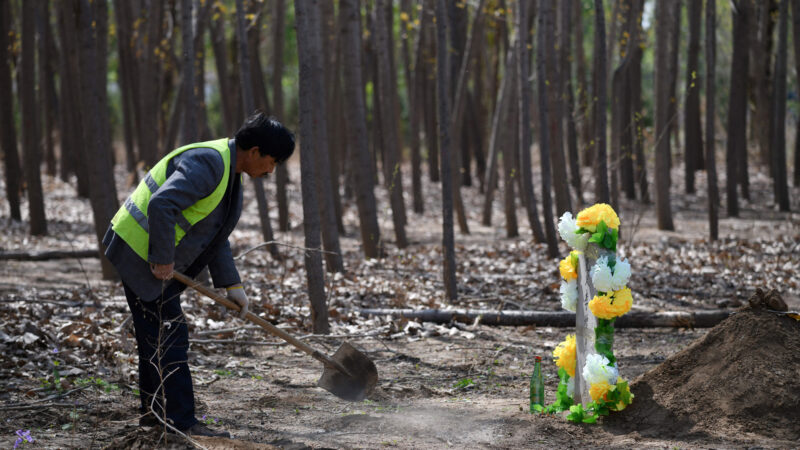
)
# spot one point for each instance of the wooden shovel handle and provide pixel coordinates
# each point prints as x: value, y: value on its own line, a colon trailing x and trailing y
x: 272, y: 329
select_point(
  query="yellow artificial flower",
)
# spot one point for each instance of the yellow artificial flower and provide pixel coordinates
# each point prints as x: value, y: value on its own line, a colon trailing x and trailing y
x: 565, y: 355
x: 599, y: 390
x: 569, y: 266
x: 591, y: 216
x: 611, y: 305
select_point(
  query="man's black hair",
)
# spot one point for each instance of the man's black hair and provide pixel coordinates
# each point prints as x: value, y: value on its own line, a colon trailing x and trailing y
x: 269, y: 135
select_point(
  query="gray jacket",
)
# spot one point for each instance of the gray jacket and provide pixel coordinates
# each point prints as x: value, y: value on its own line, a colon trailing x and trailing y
x: 192, y: 175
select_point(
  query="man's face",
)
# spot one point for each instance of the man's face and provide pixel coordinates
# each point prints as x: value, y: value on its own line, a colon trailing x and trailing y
x: 257, y: 165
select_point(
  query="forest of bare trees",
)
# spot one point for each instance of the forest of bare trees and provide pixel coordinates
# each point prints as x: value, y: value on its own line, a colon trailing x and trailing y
x: 554, y: 104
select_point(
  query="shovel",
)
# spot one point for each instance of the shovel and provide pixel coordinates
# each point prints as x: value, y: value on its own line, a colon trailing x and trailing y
x: 349, y: 374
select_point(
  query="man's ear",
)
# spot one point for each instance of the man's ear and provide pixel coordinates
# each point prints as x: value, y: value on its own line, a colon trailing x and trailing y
x: 254, y: 152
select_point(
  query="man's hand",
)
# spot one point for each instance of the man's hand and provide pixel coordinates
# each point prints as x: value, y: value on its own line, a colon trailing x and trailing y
x: 237, y: 295
x: 162, y: 271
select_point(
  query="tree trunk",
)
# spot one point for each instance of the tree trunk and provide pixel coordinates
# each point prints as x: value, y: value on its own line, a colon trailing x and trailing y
x: 389, y: 135
x: 599, y: 105
x: 640, y: 163
x: 125, y: 70
x: 8, y: 133
x: 72, y: 118
x: 442, y: 89
x: 309, y: 49
x: 510, y: 143
x: 762, y: 27
x: 778, y: 128
x: 544, y: 32
x: 412, y: 74
x: 356, y: 129
x: 737, y: 106
x: 693, y: 149
x: 524, y: 95
x: 674, y: 37
x: 429, y: 85
x: 495, y: 145
x: 662, y: 110
x: 149, y: 72
x: 568, y: 119
x: 561, y: 319
x: 796, y: 42
x: 711, y: 161
x: 282, y: 174
x: 97, y: 127
x: 227, y: 102
x: 584, y: 105
x: 190, y: 129
x: 555, y: 99
x: 332, y: 105
x: 248, y: 104
x: 31, y: 144
x: 47, y: 91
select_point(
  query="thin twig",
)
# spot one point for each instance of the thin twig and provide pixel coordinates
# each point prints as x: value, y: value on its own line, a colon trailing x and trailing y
x: 264, y: 244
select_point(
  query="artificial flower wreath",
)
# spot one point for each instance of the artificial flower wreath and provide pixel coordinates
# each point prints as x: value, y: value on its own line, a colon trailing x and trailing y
x: 597, y: 224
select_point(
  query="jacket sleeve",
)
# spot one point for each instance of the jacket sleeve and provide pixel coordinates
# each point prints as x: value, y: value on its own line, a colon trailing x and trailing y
x: 196, y: 174
x: 223, y: 270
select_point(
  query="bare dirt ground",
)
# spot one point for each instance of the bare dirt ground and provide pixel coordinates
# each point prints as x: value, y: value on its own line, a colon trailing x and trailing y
x: 68, y: 367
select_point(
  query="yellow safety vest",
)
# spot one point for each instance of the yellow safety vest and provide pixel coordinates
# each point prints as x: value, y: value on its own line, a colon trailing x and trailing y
x: 130, y: 222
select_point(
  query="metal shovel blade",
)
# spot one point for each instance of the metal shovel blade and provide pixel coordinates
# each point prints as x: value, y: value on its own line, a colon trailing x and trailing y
x: 355, y: 385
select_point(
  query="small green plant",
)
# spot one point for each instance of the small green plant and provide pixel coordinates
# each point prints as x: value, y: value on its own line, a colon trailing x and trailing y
x: 98, y: 383
x: 464, y: 383
x: 223, y: 373
x: 208, y: 420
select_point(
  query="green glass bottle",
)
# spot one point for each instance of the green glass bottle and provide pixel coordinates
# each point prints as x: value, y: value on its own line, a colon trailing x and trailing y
x: 537, y: 385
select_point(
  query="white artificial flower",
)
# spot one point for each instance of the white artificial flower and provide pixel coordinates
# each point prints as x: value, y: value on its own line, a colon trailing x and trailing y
x: 569, y: 295
x: 597, y: 369
x: 601, y: 275
x: 567, y: 228
x: 622, y: 273
x: 571, y: 387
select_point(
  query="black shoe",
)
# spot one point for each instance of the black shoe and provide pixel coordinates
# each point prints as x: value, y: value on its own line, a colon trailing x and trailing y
x: 149, y: 420
x: 200, y: 429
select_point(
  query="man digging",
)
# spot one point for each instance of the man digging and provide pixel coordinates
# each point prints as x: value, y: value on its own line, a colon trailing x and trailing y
x: 179, y: 218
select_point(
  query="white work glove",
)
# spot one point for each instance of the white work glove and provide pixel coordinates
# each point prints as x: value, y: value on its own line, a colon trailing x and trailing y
x: 237, y: 295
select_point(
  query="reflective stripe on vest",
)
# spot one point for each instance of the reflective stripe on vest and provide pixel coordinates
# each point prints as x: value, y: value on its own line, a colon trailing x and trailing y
x: 130, y: 222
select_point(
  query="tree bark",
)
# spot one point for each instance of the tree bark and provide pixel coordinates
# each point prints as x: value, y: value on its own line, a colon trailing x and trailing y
x: 760, y: 79
x: 97, y: 127
x: 190, y: 129
x: 8, y: 132
x: 778, y: 128
x: 693, y: 149
x: 796, y: 42
x: 248, y: 104
x: 544, y: 32
x: 356, y: 129
x: 281, y: 173
x: 555, y: 99
x: 442, y: 90
x: 737, y: 106
x: 31, y: 143
x: 389, y: 134
x: 711, y: 161
x: 412, y: 75
x: 149, y: 65
x: 674, y: 37
x: 47, y: 93
x: 568, y: 119
x: 662, y: 110
x: 125, y: 70
x: 332, y: 104
x: 584, y: 105
x: 599, y: 105
x: 561, y: 319
x: 309, y: 50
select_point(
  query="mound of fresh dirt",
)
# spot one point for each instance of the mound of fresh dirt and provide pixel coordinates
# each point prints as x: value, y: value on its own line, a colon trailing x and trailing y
x: 741, y: 377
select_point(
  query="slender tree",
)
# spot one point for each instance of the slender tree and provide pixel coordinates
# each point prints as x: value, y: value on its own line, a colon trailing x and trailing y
x: 737, y: 106
x: 544, y: 32
x: 190, y: 130
x: 711, y: 163
x: 412, y: 74
x: 693, y: 149
x: 674, y: 43
x: 664, y: 24
x: 8, y: 132
x: 568, y: 112
x: 278, y: 41
x: 442, y: 89
x: 389, y: 135
x: 309, y: 52
x: 778, y: 125
x: 600, y: 104
x: 248, y: 105
x: 93, y: 19
x: 584, y: 105
x: 555, y: 97
x: 125, y: 69
x: 760, y: 79
x: 31, y: 143
x: 47, y: 92
x: 637, y: 53
x: 796, y: 42
x: 356, y: 128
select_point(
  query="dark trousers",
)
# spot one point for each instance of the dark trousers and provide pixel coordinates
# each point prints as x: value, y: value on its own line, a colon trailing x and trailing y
x: 162, y: 338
